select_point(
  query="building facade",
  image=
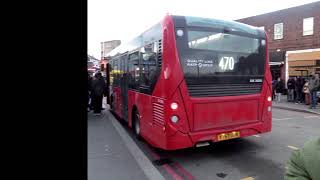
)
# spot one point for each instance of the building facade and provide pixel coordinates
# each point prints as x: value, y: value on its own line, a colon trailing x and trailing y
x: 294, y: 39
x: 108, y: 46
x: 93, y: 64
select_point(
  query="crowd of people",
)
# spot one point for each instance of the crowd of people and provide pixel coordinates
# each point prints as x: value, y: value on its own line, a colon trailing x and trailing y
x: 97, y: 89
x: 299, y: 90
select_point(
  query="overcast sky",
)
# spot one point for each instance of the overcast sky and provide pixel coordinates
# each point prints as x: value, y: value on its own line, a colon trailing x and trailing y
x: 125, y: 19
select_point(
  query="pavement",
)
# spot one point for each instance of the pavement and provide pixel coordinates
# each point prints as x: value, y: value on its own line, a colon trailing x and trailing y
x: 284, y: 104
x: 108, y: 156
x: 115, y: 153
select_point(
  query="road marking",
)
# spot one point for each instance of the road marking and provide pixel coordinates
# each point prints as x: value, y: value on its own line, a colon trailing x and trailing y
x: 149, y: 170
x: 169, y: 169
x: 280, y: 119
x: 247, y: 178
x: 171, y: 172
x: 183, y: 171
x: 256, y: 136
x: 292, y: 147
x: 311, y: 116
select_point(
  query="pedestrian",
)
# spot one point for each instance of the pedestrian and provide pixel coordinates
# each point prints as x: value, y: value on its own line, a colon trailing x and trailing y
x: 99, y: 90
x: 279, y: 88
x: 298, y: 89
x: 304, y: 163
x: 313, y: 88
x: 306, y: 92
x: 303, y: 97
x: 291, y: 86
x: 318, y: 90
x: 274, y: 82
x: 89, y: 93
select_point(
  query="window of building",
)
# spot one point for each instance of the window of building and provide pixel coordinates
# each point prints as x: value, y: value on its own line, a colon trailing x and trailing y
x: 278, y: 31
x: 308, y: 26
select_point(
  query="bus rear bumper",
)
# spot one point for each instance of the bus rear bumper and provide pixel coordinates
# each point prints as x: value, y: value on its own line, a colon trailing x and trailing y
x: 181, y: 140
x: 245, y: 130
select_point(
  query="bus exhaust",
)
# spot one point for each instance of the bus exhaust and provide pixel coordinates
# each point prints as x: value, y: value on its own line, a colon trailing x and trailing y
x: 201, y: 144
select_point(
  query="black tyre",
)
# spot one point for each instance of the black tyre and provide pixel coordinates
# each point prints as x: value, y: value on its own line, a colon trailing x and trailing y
x: 112, y: 103
x: 136, y: 124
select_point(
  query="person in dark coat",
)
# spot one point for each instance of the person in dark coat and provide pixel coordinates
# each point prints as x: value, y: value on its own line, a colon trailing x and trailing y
x: 279, y: 88
x: 98, y: 90
x: 291, y: 85
x: 298, y: 89
x: 274, y: 82
x: 89, y: 93
x: 303, y: 96
x: 313, y: 88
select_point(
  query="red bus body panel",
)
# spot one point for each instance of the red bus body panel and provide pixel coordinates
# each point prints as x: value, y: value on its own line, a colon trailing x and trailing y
x: 200, y: 119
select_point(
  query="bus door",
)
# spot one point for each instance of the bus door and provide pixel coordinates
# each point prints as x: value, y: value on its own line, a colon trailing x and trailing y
x: 124, y: 87
x: 108, y: 82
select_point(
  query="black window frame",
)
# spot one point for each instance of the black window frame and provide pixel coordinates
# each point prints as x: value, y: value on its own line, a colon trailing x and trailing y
x: 133, y: 82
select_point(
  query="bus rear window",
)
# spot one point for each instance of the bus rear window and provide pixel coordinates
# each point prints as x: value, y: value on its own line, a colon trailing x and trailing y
x: 220, y: 24
x: 218, y: 41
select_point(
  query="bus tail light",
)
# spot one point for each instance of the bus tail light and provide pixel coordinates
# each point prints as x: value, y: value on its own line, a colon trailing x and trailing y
x: 269, y: 98
x: 174, y: 106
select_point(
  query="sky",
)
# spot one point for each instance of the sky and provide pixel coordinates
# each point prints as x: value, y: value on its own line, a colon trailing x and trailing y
x: 125, y: 19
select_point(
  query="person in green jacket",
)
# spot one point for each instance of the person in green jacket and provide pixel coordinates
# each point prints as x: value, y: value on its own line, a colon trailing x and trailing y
x: 304, y: 164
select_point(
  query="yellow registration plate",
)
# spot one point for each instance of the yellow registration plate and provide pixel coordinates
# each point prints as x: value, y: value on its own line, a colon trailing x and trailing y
x: 226, y: 136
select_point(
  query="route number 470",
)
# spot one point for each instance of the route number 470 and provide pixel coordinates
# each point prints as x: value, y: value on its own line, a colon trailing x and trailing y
x: 226, y: 63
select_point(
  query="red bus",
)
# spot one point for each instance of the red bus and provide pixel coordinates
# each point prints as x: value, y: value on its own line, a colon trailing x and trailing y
x: 190, y: 81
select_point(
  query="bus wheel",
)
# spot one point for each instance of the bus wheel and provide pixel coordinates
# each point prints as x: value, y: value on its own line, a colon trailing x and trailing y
x: 136, y: 127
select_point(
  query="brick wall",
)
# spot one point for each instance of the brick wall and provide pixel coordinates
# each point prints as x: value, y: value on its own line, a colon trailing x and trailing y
x: 292, y: 20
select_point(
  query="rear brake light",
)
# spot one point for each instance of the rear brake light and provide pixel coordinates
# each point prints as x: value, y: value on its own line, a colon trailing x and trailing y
x: 269, y: 98
x: 174, y: 106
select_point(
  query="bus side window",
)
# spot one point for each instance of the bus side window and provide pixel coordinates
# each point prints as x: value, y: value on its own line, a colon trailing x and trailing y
x: 121, y: 59
x: 148, y: 65
x: 116, y: 72
x: 134, y: 71
x: 111, y: 71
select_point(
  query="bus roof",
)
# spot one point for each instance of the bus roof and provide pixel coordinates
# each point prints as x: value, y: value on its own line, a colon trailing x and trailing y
x: 219, y: 24
x: 155, y: 32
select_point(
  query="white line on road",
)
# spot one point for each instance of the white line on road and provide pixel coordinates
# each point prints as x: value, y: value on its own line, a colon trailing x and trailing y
x: 247, y: 178
x: 292, y: 147
x: 311, y: 116
x: 256, y: 136
x: 150, y: 171
x: 280, y: 119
